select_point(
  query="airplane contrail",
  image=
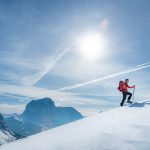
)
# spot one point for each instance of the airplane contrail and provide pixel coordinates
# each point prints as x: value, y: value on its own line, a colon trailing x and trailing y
x: 143, y: 64
x: 32, y: 80
x: 38, y: 76
x: 104, y: 78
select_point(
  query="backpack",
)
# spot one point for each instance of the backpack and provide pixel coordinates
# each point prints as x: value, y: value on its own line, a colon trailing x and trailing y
x: 121, y: 86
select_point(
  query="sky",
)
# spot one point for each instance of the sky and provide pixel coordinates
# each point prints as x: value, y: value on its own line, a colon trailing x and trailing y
x: 75, y: 52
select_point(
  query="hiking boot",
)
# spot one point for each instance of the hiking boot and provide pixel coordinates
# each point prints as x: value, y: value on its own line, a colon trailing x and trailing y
x: 129, y: 102
x: 121, y: 104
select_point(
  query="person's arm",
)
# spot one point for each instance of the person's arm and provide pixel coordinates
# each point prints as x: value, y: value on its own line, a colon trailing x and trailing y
x: 130, y: 86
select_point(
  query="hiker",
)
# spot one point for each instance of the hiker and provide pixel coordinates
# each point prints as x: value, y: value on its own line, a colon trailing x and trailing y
x: 123, y: 87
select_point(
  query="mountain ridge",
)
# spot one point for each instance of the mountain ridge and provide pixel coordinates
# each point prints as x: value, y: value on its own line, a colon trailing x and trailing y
x: 40, y: 115
x: 6, y: 135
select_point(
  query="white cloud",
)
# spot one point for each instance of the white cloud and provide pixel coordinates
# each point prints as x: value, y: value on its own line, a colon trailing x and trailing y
x: 60, y: 98
x: 9, y: 109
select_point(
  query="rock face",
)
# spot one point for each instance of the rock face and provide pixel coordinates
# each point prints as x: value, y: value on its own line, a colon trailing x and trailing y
x: 44, y: 112
x: 6, y: 135
x: 41, y: 115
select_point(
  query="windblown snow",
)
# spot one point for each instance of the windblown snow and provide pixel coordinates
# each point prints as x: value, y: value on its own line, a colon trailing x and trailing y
x: 123, y: 128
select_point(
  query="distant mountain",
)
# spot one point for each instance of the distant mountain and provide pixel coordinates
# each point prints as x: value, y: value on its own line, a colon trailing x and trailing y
x: 41, y: 115
x: 22, y: 127
x: 6, y: 135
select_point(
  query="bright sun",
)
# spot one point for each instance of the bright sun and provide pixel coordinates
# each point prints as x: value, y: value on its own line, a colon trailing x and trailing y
x: 91, y: 45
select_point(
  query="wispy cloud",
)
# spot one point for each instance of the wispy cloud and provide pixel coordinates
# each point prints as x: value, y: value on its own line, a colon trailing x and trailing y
x: 9, y: 109
x: 35, y: 92
x: 60, y: 98
x: 137, y: 68
x: 93, y: 94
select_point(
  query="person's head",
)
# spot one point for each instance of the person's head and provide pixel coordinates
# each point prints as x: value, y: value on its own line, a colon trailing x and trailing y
x: 127, y: 80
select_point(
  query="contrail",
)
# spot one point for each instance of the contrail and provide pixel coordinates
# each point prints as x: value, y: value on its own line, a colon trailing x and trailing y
x: 38, y: 76
x: 104, y: 78
x: 143, y: 64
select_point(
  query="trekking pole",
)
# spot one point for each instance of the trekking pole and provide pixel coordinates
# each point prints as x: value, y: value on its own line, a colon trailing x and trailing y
x: 133, y: 93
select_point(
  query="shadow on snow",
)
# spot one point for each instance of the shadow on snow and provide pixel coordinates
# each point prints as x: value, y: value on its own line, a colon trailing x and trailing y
x: 138, y: 104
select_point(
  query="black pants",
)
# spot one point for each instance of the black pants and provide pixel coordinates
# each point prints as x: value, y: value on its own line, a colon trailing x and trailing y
x: 125, y: 94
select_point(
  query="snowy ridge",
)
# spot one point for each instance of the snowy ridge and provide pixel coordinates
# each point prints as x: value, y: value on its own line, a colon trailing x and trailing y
x: 122, y: 128
x: 6, y: 135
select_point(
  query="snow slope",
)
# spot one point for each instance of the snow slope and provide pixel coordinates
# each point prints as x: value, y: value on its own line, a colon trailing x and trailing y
x: 122, y: 128
x: 6, y: 135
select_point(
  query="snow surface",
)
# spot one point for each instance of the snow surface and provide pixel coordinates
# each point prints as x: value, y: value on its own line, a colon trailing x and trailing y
x: 5, y: 137
x: 122, y: 128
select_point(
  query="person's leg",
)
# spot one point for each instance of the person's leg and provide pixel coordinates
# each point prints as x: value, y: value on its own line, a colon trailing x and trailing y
x: 123, y: 99
x: 130, y: 95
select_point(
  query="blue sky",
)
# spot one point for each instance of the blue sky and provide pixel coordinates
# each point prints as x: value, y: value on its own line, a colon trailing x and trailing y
x: 39, y: 55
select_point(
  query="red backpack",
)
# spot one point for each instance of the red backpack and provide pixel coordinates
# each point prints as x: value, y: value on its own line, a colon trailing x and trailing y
x: 121, y: 86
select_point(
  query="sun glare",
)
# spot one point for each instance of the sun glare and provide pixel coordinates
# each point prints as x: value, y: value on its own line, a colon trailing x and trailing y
x: 91, y: 46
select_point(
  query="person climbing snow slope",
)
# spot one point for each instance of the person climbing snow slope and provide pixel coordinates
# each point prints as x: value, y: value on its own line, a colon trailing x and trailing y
x: 123, y: 87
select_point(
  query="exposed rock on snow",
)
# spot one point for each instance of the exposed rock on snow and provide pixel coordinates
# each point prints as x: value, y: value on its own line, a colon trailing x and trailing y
x: 6, y: 135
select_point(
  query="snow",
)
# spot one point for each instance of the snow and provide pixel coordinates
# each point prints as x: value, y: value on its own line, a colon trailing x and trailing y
x: 5, y: 137
x: 122, y: 128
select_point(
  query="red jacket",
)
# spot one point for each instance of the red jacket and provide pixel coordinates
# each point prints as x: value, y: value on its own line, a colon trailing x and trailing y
x: 126, y: 86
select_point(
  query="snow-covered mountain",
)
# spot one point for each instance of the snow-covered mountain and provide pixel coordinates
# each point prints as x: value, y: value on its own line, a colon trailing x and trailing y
x: 123, y: 128
x: 41, y: 115
x: 6, y: 135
